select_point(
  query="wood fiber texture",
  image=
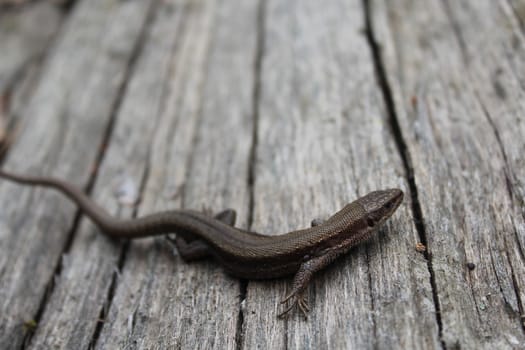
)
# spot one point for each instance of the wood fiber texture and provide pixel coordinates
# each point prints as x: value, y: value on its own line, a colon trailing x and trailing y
x: 284, y: 111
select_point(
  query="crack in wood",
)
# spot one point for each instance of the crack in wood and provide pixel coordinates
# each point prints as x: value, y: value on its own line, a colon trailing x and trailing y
x: 17, y: 78
x: 130, y: 68
x: 400, y: 142
x: 518, y: 10
x: 518, y: 293
x: 88, y: 189
x: 50, y: 285
x: 372, y: 301
x: 252, y: 161
x: 506, y: 168
x: 239, y: 336
x: 261, y: 15
x: 109, y: 299
x: 512, y: 198
x: 120, y: 266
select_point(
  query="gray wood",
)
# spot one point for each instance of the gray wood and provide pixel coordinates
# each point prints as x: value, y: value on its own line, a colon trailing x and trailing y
x: 500, y: 91
x: 324, y: 139
x: 65, y: 124
x: 199, y: 159
x: 26, y: 33
x: 181, y: 85
x: 78, y: 304
x: 456, y: 72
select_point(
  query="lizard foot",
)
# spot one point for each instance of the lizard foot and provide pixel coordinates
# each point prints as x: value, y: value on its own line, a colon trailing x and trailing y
x: 295, y: 299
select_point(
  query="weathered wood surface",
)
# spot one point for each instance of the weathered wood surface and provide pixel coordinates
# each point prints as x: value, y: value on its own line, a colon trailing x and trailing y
x: 457, y: 95
x: 62, y: 134
x: 284, y: 111
x: 26, y: 35
x: 323, y: 138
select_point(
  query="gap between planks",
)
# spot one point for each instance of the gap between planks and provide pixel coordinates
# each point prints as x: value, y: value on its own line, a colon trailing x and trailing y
x: 130, y: 66
x: 417, y: 214
x: 257, y: 70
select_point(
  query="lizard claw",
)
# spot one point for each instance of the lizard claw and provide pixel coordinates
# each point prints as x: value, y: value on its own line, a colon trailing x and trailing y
x: 288, y: 297
x: 296, y: 299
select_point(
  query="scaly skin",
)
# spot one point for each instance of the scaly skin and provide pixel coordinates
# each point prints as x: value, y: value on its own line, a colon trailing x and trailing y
x: 246, y: 254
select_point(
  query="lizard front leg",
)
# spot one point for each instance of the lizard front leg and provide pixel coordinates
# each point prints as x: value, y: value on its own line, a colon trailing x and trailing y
x: 303, y: 276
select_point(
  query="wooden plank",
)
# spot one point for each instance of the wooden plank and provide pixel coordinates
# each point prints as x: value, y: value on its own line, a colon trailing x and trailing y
x: 79, y: 300
x: 185, y: 130
x: 456, y: 73
x: 199, y: 158
x: 26, y: 34
x: 66, y: 120
x: 324, y: 139
x: 496, y: 71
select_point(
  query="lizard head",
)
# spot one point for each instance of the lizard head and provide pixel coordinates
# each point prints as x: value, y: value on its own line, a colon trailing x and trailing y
x: 380, y: 205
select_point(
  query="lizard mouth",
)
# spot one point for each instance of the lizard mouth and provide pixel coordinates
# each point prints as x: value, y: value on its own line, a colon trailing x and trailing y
x: 380, y: 205
x: 397, y: 197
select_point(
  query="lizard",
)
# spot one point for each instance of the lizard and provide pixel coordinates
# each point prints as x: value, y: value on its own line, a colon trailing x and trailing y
x: 245, y: 254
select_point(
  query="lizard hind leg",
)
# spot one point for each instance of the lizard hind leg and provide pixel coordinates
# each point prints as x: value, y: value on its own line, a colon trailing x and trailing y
x: 191, y: 251
x: 227, y: 216
x: 302, y: 278
x: 198, y: 249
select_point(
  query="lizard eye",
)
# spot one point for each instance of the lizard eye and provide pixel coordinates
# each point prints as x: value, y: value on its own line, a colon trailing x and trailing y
x: 370, y: 222
x: 389, y: 205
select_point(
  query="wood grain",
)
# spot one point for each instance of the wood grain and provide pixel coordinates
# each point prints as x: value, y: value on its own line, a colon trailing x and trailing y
x: 285, y: 111
x: 324, y: 139
x: 455, y: 83
x: 198, y: 159
x: 26, y: 35
x: 67, y: 117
